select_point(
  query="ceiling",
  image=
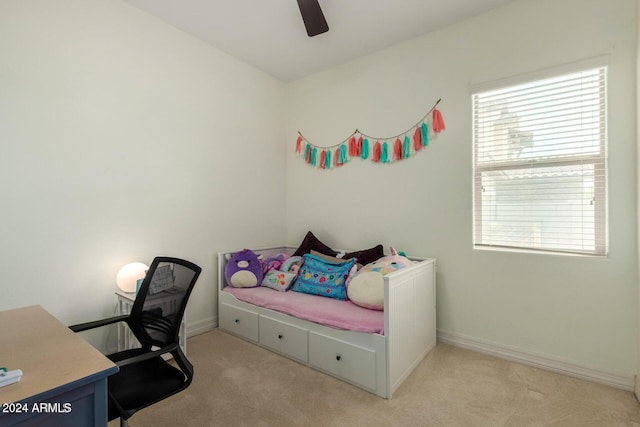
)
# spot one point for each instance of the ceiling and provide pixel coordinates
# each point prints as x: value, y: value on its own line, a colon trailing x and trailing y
x: 270, y: 34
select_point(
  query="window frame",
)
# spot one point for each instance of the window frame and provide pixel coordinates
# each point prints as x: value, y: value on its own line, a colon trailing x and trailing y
x: 598, y: 160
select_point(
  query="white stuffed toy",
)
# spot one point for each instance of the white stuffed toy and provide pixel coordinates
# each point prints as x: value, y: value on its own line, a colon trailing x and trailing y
x: 366, y: 287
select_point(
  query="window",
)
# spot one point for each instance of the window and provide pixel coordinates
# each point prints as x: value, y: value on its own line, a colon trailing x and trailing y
x: 539, y: 152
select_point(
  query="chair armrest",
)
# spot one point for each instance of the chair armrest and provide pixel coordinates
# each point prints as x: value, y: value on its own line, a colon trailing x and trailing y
x: 98, y: 323
x: 148, y: 355
x: 183, y: 363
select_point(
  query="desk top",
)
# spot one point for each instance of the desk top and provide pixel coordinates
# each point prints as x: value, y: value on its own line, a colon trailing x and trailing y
x: 49, y: 354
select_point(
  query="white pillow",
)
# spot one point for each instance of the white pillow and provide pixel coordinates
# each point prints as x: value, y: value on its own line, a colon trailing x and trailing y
x: 366, y: 289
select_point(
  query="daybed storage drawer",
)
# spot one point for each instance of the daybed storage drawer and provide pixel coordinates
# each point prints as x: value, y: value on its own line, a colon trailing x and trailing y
x: 348, y: 361
x: 239, y: 321
x: 284, y: 338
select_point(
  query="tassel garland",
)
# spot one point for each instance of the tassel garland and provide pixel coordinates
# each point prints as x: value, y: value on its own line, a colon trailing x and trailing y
x: 402, y: 146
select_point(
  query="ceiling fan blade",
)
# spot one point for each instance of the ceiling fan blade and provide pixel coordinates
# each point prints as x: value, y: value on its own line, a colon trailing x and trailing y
x: 313, y: 17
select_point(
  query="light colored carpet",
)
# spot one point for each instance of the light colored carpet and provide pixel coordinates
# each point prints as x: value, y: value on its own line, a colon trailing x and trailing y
x: 240, y: 384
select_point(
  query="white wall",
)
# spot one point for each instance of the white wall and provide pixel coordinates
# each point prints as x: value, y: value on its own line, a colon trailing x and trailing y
x: 122, y: 138
x: 574, y: 309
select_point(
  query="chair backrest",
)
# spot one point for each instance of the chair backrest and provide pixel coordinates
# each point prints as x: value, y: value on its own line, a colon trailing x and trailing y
x: 160, y: 303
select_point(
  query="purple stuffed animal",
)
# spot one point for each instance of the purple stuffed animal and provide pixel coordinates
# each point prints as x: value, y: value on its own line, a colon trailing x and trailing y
x: 244, y: 269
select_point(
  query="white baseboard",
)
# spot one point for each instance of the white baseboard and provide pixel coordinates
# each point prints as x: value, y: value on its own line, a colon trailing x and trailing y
x: 625, y: 382
x: 201, y: 327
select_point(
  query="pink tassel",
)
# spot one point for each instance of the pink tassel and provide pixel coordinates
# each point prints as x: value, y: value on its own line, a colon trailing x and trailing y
x: 299, y: 144
x: 438, y: 122
x: 397, y: 150
x: 323, y: 160
x: 359, y: 146
x: 417, y: 139
x: 352, y: 146
x: 376, y: 152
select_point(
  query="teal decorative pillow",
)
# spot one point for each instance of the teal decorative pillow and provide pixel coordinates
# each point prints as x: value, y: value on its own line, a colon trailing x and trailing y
x: 325, y: 278
x: 278, y: 280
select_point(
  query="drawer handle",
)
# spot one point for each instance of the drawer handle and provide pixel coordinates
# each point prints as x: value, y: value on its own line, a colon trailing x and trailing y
x: 237, y: 320
x: 280, y: 336
x: 338, y: 357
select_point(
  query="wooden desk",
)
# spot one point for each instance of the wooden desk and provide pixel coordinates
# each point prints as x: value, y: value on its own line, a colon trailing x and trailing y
x: 64, y: 379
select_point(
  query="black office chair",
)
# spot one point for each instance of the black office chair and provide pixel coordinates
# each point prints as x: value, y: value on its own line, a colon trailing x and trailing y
x: 145, y: 377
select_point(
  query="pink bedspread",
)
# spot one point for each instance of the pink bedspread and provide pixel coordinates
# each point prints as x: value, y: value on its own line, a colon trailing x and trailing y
x: 326, y: 311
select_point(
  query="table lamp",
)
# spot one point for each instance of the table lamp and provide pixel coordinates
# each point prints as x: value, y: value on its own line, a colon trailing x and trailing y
x: 129, y: 275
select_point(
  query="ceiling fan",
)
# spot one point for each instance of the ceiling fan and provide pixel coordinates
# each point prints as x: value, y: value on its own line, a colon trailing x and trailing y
x: 313, y: 17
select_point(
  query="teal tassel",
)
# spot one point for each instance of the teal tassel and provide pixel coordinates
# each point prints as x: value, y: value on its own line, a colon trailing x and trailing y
x: 328, y: 159
x: 424, y: 134
x: 406, y: 147
x: 384, y: 154
x: 364, y: 153
x: 342, y: 159
x: 314, y: 153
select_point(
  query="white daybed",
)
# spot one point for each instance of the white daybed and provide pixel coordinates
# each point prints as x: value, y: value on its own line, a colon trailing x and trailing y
x: 375, y: 362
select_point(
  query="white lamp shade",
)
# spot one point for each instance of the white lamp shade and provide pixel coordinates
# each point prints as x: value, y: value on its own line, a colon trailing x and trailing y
x: 129, y: 275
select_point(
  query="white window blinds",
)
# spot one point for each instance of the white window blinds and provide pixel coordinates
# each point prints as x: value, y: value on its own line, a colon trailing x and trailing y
x: 540, y: 165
